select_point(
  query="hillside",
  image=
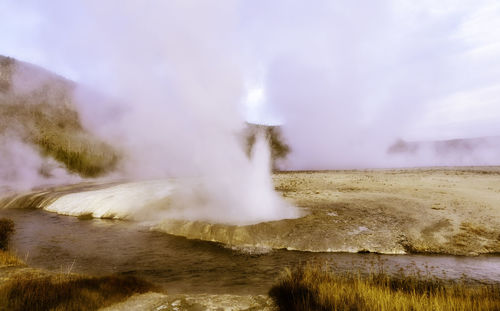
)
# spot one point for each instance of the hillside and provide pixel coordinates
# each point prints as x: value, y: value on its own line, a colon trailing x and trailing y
x: 36, y: 108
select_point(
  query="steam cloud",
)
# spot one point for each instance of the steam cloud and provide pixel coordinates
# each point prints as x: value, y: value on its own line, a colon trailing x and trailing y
x: 173, y: 66
x: 345, y: 80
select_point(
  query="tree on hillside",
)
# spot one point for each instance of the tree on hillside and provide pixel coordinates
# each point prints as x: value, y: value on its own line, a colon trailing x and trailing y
x: 279, y: 148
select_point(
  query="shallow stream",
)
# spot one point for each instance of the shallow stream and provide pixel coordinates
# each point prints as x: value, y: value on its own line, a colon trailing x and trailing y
x: 98, y: 246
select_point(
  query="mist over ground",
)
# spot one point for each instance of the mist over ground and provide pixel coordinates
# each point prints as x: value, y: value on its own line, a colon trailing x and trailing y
x: 172, y: 82
x: 348, y: 79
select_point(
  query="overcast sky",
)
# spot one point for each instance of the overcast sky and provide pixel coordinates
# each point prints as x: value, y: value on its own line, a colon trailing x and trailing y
x: 341, y: 76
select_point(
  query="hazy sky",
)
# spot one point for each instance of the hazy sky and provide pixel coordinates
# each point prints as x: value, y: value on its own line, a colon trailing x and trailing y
x: 344, y: 78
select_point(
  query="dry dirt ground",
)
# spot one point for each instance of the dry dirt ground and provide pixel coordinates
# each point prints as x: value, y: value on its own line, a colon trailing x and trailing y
x: 447, y: 211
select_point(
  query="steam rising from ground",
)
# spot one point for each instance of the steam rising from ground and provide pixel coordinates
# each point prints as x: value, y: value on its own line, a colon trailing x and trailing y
x: 345, y: 79
x: 22, y: 167
x: 241, y: 198
x: 173, y: 68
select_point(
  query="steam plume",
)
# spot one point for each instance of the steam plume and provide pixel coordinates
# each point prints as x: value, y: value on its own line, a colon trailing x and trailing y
x: 346, y: 79
x: 173, y: 67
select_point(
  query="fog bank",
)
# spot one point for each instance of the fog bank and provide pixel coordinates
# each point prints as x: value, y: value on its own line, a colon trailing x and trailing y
x: 166, y: 90
x: 345, y: 80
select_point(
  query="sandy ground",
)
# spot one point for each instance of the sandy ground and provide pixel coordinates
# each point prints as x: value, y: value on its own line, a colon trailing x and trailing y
x: 448, y: 211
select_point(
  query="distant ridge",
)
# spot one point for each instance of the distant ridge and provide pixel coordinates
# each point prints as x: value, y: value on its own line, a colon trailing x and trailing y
x: 446, y: 147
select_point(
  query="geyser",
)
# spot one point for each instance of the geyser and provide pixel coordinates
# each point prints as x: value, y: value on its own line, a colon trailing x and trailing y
x: 177, y: 85
x: 242, y: 198
x: 248, y: 200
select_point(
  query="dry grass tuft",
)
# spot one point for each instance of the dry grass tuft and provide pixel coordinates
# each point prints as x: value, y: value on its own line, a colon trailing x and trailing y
x: 313, y: 287
x: 68, y: 292
x: 9, y: 259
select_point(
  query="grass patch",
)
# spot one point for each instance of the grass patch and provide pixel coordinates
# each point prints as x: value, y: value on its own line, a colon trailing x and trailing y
x: 314, y: 287
x: 68, y: 292
x: 9, y: 259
